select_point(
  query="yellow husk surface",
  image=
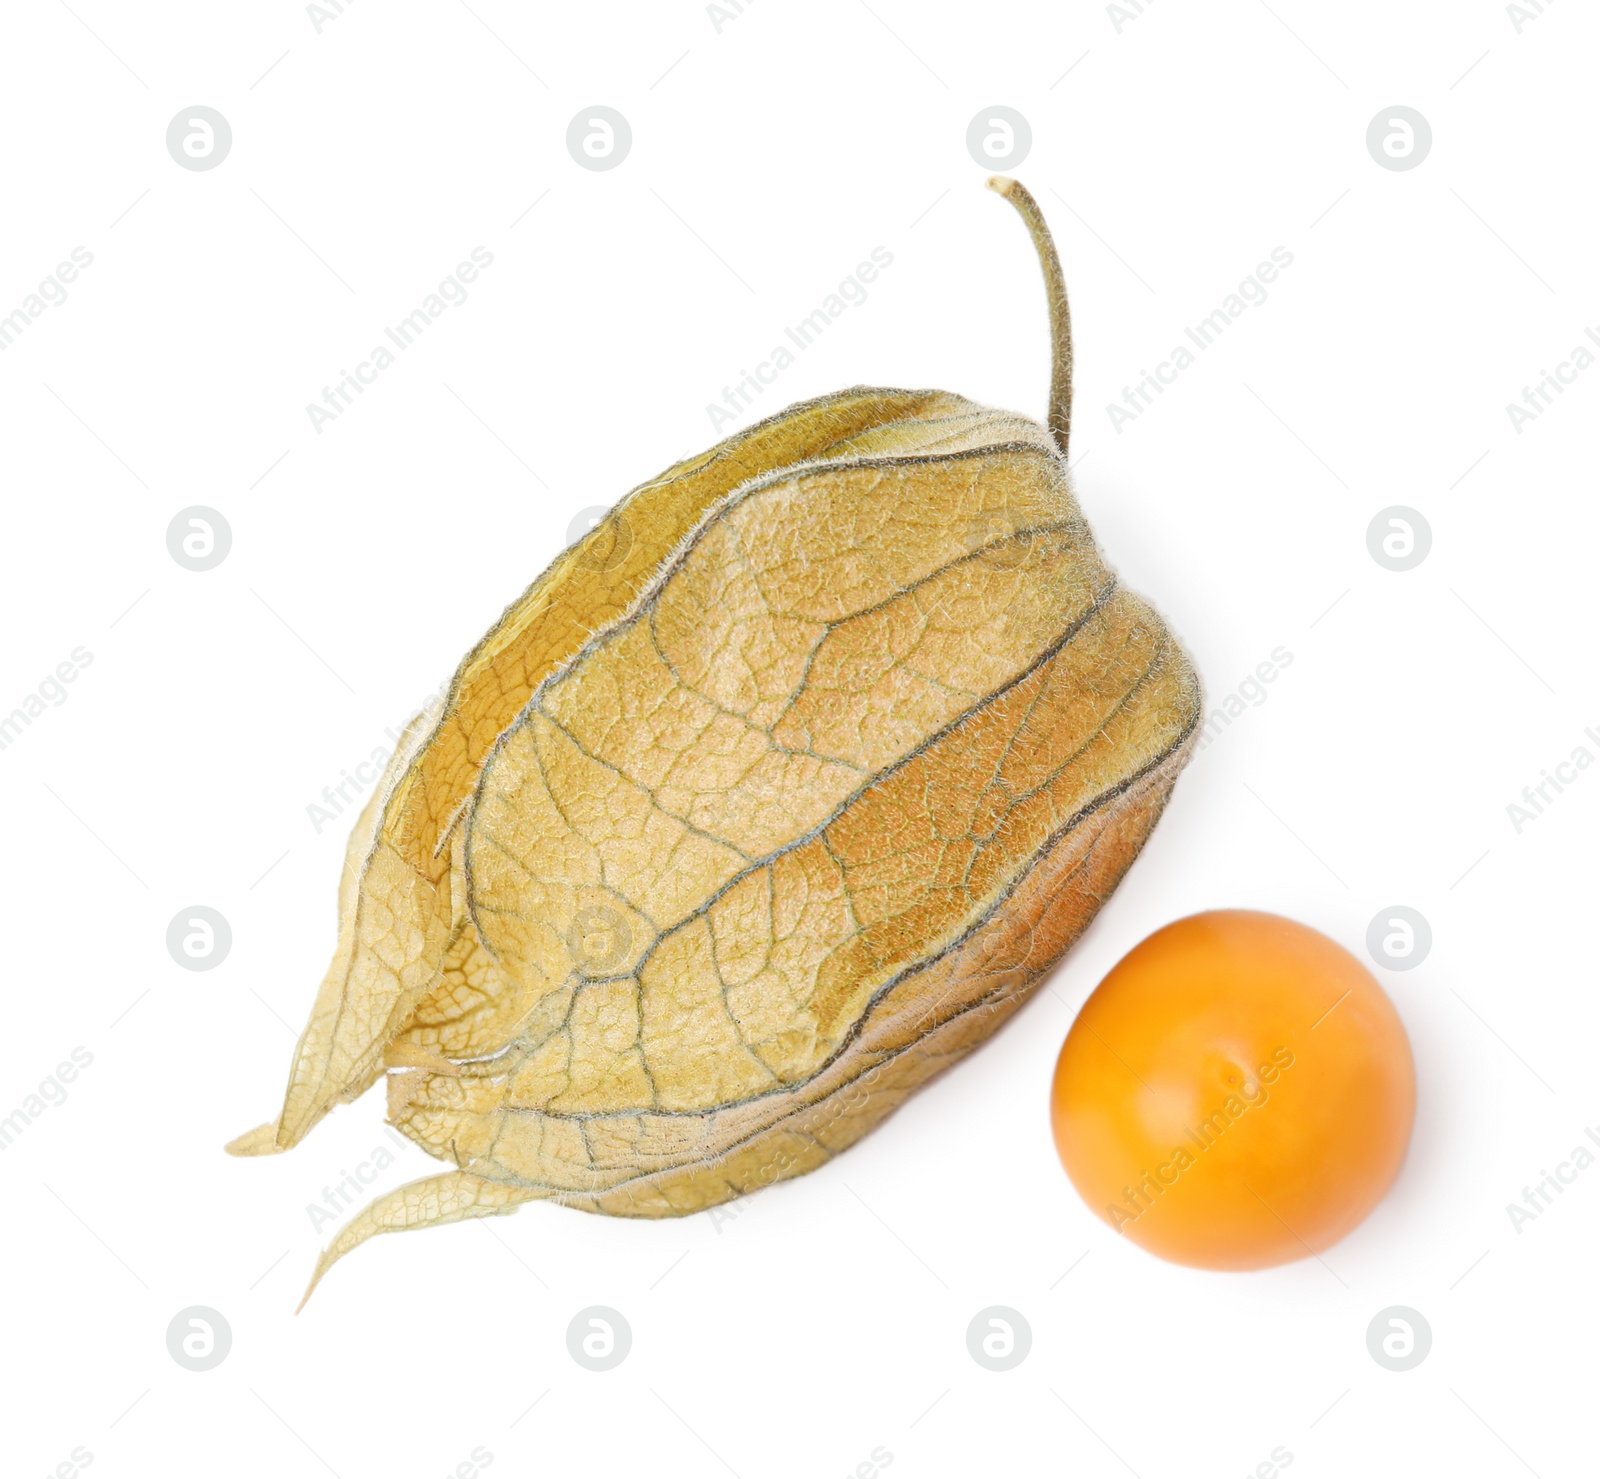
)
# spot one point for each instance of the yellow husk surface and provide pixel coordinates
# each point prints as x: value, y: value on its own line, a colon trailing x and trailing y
x: 769, y: 799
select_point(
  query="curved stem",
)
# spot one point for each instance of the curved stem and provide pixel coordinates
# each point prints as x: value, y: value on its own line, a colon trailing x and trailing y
x: 1060, y: 417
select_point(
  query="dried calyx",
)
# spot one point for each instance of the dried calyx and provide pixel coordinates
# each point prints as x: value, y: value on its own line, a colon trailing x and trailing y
x: 716, y: 850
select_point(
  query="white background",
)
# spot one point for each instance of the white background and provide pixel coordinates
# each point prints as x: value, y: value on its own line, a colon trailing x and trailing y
x: 828, y: 1317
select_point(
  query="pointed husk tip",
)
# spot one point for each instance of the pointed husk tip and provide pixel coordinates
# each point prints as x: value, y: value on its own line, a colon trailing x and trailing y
x: 263, y: 1140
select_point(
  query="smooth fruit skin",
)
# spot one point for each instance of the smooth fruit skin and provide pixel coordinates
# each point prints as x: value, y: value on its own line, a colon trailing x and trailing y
x: 1237, y: 1093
